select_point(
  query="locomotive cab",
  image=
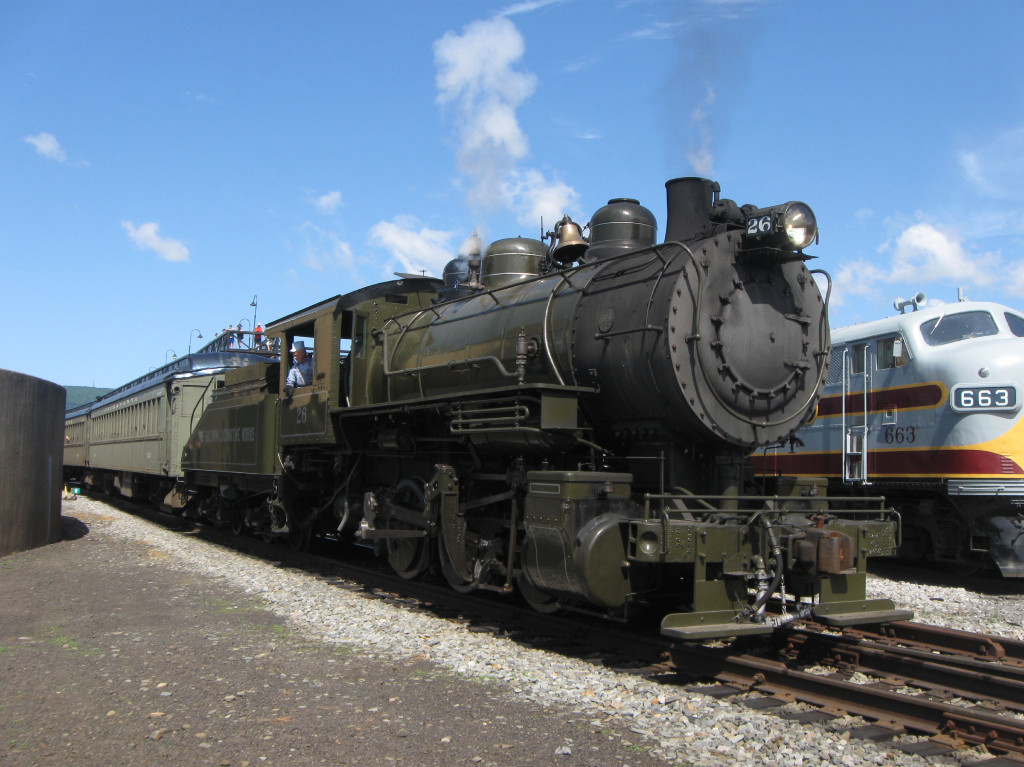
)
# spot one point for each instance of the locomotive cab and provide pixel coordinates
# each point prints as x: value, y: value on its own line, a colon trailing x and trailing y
x: 342, y: 336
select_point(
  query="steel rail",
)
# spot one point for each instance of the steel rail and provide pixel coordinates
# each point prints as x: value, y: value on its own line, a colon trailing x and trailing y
x: 981, y: 645
x: 959, y: 676
x: 893, y: 710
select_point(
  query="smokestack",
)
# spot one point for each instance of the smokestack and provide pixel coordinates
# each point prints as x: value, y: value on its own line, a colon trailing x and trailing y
x: 689, y: 207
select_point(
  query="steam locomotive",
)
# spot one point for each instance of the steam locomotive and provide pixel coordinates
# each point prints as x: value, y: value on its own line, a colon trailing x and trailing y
x: 567, y: 417
x: 925, y: 407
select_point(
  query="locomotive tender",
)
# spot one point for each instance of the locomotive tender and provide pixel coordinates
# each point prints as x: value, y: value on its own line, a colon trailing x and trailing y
x: 925, y: 407
x: 570, y: 420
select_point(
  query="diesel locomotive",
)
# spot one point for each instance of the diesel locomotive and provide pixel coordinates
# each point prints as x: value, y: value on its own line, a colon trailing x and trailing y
x: 925, y: 407
x: 567, y: 417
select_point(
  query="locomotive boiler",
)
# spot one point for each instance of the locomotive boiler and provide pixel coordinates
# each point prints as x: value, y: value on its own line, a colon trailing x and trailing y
x: 569, y: 418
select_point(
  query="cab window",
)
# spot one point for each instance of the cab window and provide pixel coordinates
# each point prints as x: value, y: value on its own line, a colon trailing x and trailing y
x: 891, y: 353
x: 358, y: 350
x: 1016, y: 324
x: 306, y: 343
x: 950, y: 328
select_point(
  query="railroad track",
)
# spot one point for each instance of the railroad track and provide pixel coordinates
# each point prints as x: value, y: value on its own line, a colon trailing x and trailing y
x: 957, y: 688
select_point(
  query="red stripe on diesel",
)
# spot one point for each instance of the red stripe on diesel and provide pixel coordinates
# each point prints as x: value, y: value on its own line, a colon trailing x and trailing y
x: 890, y: 463
x: 925, y: 395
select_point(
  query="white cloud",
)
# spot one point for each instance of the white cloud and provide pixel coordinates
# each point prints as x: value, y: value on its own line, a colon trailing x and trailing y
x: 478, y: 65
x: 477, y: 78
x: 659, y: 30
x: 47, y: 145
x: 996, y: 168
x: 147, y: 237
x: 202, y: 98
x: 971, y: 166
x: 324, y: 249
x: 580, y: 64
x: 857, y: 278
x: 476, y: 75
x: 923, y: 254
x: 534, y: 198
x: 1015, y: 278
x: 526, y: 7
x: 328, y: 203
x: 928, y: 254
x: 415, y: 248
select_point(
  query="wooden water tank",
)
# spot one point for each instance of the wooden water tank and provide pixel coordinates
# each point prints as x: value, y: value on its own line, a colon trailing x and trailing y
x: 31, y: 461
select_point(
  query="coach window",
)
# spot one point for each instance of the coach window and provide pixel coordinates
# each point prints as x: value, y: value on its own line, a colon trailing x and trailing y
x: 1016, y: 324
x: 891, y: 353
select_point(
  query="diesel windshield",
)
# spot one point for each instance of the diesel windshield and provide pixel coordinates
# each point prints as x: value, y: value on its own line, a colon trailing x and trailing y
x: 956, y: 327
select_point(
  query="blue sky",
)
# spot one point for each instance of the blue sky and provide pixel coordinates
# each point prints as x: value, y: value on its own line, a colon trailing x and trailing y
x: 162, y: 163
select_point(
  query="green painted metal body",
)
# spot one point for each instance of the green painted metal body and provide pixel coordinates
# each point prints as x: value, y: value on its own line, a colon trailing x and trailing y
x: 131, y: 440
x: 678, y: 353
x: 587, y: 539
x: 470, y: 345
x: 237, y: 434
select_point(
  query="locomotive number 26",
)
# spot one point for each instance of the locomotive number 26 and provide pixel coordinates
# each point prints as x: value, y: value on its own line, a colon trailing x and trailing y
x: 759, y: 225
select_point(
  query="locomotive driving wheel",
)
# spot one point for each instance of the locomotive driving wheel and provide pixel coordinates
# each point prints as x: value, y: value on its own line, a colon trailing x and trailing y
x: 463, y: 583
x: 539, y: 600
x: 238, y: 520
x: 408, y: 556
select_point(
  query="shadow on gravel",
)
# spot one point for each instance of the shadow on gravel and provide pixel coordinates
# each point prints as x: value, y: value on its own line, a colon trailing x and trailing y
x: 72, y: 529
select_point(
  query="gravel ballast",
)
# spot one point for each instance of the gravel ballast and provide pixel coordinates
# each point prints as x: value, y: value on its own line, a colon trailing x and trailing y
x: 501, y: 702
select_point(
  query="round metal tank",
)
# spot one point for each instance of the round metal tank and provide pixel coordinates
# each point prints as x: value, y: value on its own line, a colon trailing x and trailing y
x: 511, y: 260
x: 31, y: 461
x: 456, y: 272
x: 620, y: 226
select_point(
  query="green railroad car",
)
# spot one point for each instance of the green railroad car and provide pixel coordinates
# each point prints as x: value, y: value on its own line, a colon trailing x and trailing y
x: 130, y: 440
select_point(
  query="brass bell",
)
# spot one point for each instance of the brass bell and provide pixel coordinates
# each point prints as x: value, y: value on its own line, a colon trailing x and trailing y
x: 570, y: 241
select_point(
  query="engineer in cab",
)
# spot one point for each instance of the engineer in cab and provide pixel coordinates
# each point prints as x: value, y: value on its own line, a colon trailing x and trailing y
x: 301, y: 373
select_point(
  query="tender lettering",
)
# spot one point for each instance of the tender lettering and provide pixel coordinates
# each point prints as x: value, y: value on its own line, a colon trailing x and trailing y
x: 235, y: 434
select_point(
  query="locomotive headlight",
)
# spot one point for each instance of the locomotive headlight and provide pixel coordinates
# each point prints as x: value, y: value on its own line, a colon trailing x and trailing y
x: 787, y: 227
x: 799, y: 225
